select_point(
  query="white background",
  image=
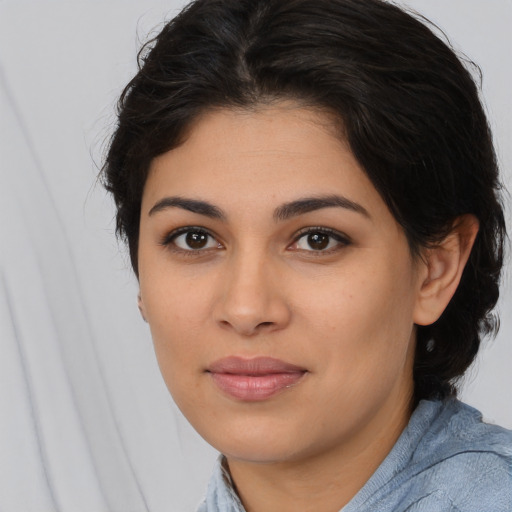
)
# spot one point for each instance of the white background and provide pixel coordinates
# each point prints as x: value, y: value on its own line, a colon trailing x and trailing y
x: 86, y: 424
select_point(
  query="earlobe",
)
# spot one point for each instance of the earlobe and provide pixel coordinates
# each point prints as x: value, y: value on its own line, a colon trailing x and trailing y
x: 141, y: 307
x: 444, y: 264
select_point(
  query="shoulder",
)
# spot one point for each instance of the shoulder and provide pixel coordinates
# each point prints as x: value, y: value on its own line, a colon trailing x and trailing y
x: 458, y: 431
x: 465, y: 461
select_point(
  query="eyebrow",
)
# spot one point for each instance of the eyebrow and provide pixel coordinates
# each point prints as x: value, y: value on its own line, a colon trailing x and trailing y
x: 281, y: 213
x: 309, y: 204
x: 191, y: 205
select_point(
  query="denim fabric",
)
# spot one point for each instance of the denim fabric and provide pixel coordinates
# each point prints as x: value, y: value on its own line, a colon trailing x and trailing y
x: 446, y: 460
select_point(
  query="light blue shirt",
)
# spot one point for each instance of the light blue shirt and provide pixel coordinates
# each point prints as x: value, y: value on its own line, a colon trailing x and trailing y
x: 446, y: 460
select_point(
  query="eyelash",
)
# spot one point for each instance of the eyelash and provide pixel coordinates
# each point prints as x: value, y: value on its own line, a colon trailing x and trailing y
x: 341, y: 239
x: 169, y: 240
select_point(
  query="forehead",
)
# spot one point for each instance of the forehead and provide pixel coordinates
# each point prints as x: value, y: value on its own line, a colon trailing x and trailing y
x: 247, y: 159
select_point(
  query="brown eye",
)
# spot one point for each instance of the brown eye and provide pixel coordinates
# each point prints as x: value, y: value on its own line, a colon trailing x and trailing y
x: 318, y: 241
x: 194, y: 240
x: 321, y: 241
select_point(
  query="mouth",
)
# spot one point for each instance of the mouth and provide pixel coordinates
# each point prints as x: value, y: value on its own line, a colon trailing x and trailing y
x: 254, y: 379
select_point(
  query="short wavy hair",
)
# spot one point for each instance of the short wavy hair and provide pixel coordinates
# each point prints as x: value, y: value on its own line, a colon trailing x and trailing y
x: 406, y: 104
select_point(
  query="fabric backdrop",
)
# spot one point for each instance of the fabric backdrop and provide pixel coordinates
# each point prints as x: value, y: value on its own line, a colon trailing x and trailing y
x: 86, y: 424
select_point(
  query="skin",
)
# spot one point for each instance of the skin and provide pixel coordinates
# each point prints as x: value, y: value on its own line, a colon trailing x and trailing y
x: 346, y: 314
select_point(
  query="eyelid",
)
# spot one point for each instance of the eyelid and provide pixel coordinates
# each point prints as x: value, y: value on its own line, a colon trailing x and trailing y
x: 340, y: 237
x: 168, y: 239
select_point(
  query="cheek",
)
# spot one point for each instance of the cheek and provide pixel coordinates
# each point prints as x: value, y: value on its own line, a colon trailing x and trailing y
x: 363, y: 317
x: 177, y: 343
x: 370, y: 295
x: 176, y: 314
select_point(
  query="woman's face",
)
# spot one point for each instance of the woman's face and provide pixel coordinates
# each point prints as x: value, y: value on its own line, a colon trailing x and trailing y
x: 279, y: 289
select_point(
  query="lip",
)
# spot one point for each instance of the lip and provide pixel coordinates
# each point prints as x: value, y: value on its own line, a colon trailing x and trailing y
x: 254, y: 379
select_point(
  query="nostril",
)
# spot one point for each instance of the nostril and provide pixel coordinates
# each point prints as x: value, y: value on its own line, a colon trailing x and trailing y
x: 251, y: 313
x: 247, y: 329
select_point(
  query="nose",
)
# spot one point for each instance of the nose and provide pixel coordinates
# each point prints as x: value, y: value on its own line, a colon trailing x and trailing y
x: 252, y: 298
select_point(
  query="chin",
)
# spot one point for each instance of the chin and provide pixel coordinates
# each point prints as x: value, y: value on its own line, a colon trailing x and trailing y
x: 255, y: 441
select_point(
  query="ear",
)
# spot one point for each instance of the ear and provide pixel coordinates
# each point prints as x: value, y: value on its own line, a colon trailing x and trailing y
x: 141, y: 306
x: 444, y: 265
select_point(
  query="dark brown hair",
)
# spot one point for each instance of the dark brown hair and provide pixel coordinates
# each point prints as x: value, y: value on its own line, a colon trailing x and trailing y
x: 408, y: 107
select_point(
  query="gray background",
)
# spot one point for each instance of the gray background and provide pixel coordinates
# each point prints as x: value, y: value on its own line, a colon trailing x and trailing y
x: 86, y: 424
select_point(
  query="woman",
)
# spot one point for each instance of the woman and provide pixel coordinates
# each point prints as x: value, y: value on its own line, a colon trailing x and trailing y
x: 309, y: 192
